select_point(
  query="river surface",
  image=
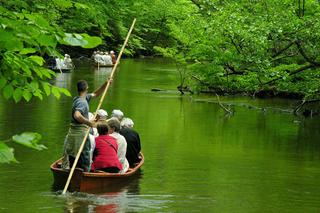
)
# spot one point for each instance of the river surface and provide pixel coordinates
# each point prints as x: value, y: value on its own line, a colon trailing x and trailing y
x: 197, y: 159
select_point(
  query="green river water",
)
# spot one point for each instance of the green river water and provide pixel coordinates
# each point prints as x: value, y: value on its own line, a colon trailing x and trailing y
x: 196, y: 158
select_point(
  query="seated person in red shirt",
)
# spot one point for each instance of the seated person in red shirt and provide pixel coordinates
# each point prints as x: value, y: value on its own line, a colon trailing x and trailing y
x: 105, y: 156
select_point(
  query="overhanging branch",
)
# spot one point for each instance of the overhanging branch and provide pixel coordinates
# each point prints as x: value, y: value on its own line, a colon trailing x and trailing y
x: 291, y: 73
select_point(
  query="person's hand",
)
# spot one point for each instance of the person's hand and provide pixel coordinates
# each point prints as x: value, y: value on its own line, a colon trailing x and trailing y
x: 93, y: 124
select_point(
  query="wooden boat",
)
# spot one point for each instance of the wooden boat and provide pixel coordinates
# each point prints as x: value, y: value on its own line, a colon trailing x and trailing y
x: 91, y: 181
x: 55, y: 69
x: 61, y: 70
x: 102, y: 65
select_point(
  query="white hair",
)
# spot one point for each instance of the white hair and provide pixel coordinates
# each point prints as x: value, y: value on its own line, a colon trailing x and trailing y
x: 127, y: 122
x: 116, y: 113
x: 103, y: 114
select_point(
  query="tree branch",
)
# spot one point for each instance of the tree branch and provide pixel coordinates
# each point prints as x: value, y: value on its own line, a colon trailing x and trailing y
x: 300, y: 69
x: 234, y: 44
x: 283, y: 50
x: 303, y: 102
x: 221, y: 105
x: 233, y: 70
x: 304, y: 55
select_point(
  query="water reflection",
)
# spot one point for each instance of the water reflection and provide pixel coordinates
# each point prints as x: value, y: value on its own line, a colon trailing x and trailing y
x: 64, y: 80
x: 101, y: 74
x: 116, y: 198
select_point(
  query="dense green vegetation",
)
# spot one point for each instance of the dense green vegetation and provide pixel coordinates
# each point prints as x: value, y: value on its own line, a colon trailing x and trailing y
x: 248, y: 46
x: 226, y: 46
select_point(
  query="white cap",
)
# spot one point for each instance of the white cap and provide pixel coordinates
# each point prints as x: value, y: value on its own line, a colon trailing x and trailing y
x: 102, y: 113
x: 127, y: 122
x: 117, y: 114
x: 111, y: 52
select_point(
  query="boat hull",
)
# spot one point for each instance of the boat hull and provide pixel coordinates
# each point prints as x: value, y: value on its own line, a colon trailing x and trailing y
x: 92, y: 181
x: 101, y: 65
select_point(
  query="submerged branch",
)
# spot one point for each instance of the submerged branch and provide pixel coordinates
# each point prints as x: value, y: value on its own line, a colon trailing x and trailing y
x: 304, y: 102
x: 221, y: 105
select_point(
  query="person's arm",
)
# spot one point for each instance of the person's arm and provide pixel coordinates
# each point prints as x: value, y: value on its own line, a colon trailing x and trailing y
x: 100, y: 90
x: 77, y: 115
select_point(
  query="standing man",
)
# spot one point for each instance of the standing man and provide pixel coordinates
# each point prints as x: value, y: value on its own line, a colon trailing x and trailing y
x: 79, y: 125
x: 113, y: 56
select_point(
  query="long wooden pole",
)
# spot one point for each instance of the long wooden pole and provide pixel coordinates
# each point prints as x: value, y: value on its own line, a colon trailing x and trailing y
x: 99, y: 105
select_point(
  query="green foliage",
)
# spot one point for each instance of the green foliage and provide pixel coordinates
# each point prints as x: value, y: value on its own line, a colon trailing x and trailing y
x: 6, y: 154
x: 248, y: 45
x: 26, y: 38
x: 235, y: 45
x: 27, y: 139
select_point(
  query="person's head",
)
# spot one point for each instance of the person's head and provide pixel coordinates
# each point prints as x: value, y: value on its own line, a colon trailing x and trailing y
x: 82, y: 86
x: 116, y: 113
x: 112, y: 52
x: 127, y: 122
x: 102, y: 127
x: 102, y: 114
x: 114, y: 125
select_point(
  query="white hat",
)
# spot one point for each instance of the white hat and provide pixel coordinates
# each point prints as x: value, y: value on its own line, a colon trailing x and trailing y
x: 102, y: 113
x: 111, y: 52
x: 117, y: 113
x: 127, y: 122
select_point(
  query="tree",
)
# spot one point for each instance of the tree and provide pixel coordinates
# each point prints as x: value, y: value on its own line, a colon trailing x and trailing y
x: 248, y: 46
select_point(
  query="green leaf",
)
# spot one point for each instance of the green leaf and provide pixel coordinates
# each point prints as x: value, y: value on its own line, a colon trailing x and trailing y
x: 29, y: 139
x: 38, y: 71
x: 13, y: 45
x: 38, y: 20
x: 93, y: 41
x: 38, y: 94
x: 34, y: 85
x: 65, y: 92
x: 47, y: 40
x: 45, y: 72
x: 56, y: 92
x: 73, y: 41
x: 27, y: 95
x: 46, y: 88
x: 17, y: 95
x: 81, y: 6
x: 6, y: 154
x: 3, y: 82
x: 5, y: 35
x: 8, y: 91
x: 39, y: 60
x: 63, y: 3
x: 25, y: 51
